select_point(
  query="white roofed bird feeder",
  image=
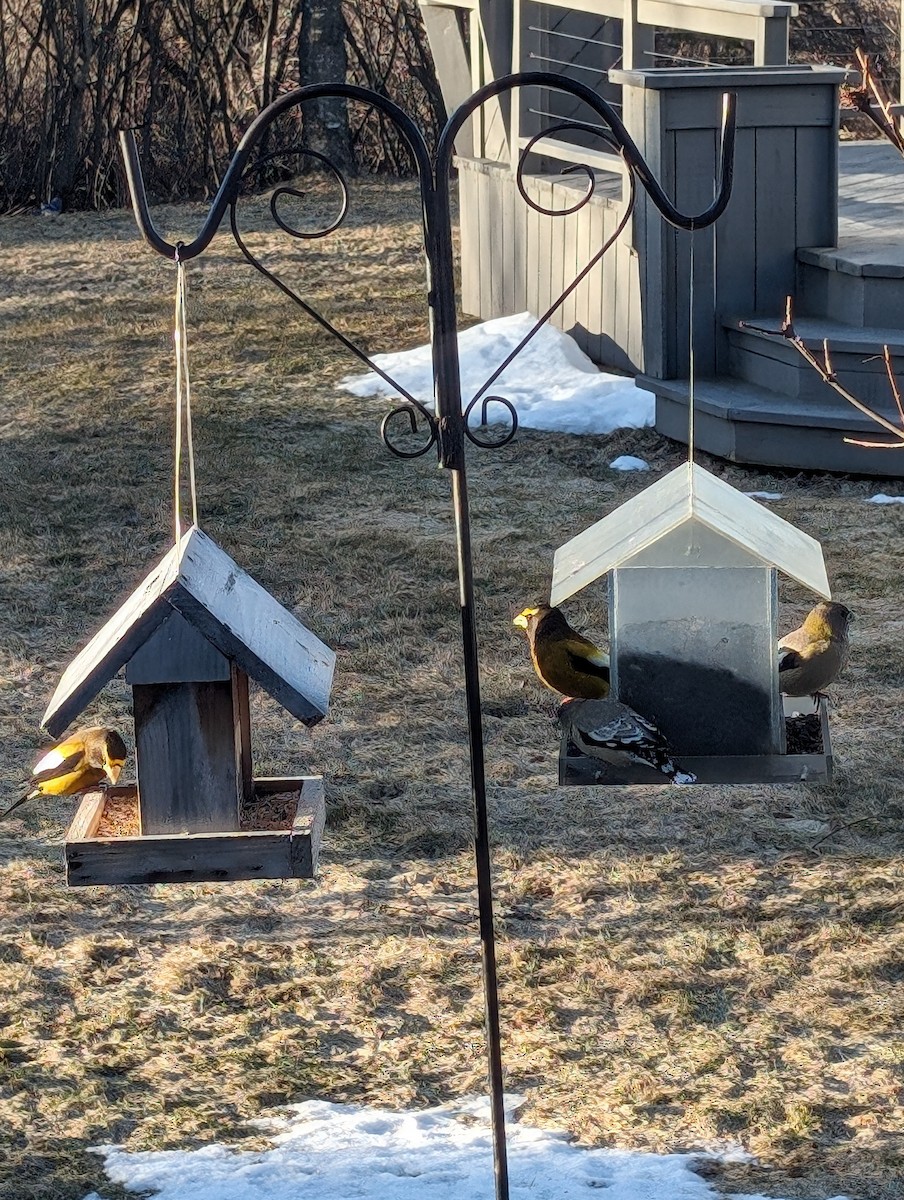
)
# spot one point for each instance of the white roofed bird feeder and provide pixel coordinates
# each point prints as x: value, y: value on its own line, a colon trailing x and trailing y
x: 693, y: 603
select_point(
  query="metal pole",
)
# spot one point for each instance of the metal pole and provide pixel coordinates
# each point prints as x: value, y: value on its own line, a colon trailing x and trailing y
x: 481, y: 829
x: 451, y: 450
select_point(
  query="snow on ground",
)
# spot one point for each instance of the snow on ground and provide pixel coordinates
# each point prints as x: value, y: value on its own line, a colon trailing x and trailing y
x: 552, y: 384
x: 627, y: 462
x: 881, y: 498
x: 324, y: 1151
x: 765, y: 495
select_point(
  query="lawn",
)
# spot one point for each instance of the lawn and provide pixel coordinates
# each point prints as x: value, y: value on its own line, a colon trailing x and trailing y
x: 678, y: 967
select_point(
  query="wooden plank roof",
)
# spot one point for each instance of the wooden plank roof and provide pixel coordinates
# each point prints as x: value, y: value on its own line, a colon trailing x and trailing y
x: 236, y: 615
x: 687, y: 493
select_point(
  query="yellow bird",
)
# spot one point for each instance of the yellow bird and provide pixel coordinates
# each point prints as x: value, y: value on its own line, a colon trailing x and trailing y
x: 812, y: 657
x: 78, y: 762
x: 565, y: 661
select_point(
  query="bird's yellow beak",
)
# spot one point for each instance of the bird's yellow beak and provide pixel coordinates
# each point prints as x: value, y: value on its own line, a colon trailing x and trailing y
x: 112, y: 769
x: 521, y: 620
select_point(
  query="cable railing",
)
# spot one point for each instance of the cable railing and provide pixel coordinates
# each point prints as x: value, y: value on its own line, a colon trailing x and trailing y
x: 586, y: 39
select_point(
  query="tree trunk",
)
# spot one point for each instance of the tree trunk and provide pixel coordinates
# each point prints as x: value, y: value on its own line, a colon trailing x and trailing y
x: 322, y: 58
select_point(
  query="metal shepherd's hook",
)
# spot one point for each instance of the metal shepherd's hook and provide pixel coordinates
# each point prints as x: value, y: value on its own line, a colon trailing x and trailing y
x: 447, y: 425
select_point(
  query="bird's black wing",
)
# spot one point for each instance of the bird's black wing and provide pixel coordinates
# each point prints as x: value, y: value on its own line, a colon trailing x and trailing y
x: 789, y: 660
x: 586, y: 666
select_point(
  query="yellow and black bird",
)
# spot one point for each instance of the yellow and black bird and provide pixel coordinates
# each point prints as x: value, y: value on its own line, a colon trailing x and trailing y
x: 813, y: 656
x: 78, y: 762
x: 565, y: 661
x: 614, y: 733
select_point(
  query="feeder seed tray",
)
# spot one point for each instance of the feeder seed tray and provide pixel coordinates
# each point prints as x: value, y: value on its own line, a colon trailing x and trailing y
x: 576, y: 769
x: 280, y: 834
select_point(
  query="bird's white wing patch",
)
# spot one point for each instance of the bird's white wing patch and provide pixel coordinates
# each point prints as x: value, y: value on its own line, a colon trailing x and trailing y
x: 622, y: 731
x: 600, y: 658
x: 51, y: 759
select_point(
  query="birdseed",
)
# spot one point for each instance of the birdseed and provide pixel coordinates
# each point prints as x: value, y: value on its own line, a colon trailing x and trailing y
x: 274, y: 811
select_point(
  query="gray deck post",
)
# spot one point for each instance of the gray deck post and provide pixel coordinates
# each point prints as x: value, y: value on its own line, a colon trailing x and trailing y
x: 770, y: 43
x: 784, y: 197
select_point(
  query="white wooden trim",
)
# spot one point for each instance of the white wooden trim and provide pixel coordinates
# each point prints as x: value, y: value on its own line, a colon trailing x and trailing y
x: 760, y: 9
x: 452, y: 67
x: 468, y: 4
x: 600, y: 8
x: 601, y: 160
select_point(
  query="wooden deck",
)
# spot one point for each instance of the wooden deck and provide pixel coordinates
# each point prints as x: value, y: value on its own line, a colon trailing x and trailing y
x: 870, y: 211
x: 768, y: 406
x: 789, y: 230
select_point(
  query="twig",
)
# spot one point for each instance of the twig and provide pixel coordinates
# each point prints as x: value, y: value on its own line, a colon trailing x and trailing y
x: 872, y: 99
x: 826, y: 372
x: 840, y: 829
x: 893, y: 383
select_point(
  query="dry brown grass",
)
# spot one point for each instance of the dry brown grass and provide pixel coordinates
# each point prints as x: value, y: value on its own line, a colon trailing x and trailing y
x: 677, y: 967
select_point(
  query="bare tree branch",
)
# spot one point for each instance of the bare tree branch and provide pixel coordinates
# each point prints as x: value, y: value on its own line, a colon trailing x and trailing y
x: 826, y: 371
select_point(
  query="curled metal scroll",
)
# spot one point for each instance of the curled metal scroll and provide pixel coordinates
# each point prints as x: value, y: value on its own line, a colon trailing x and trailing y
x: 583, y: 168
x: 279, y: 192
x: 410, y: 411
x: 419, y: 416
x: 448, y: 427
x: 619, y: 135
x: 508, y: 433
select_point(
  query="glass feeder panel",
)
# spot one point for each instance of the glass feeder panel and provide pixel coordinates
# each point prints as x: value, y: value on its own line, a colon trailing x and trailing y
x: 693, y: 649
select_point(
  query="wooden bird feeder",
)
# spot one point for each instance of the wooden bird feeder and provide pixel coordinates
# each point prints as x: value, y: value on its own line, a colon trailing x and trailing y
x: 190, y: 637
x: 693, y: 602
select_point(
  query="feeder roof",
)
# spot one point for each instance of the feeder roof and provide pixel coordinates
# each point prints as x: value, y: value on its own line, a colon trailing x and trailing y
x: 231, y: 610
x: 689, y: 493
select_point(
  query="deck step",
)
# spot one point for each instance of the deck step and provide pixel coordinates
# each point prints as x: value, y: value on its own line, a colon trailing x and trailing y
x: 866, y: 257
x: 833, y: 284
x: 745, y: 423
x: 856, y: 352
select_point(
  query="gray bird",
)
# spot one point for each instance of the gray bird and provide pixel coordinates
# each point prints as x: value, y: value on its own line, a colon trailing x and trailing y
x: 812, y: 657
x: 610, y: 731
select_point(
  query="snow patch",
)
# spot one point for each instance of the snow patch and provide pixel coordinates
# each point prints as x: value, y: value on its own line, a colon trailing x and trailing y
x: 325, y: 1151
x: 627, y: 462
x: 552, y: 384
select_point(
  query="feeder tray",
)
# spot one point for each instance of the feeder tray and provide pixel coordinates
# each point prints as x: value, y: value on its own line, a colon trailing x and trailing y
x: 279, y: 838
x: 577, y: 769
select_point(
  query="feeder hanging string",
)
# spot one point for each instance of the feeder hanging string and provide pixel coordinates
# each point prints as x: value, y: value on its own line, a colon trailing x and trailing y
x: 691, y: 363
x: 183, y: 404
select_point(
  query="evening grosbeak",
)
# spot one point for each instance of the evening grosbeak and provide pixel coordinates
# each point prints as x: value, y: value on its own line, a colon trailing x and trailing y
x: 614, y: 733
x: 80, y: 761
x: 564, y: 660
x: 811, y: 657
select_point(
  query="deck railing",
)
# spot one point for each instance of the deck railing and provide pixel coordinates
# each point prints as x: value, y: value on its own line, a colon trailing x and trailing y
x: 581, y: 39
